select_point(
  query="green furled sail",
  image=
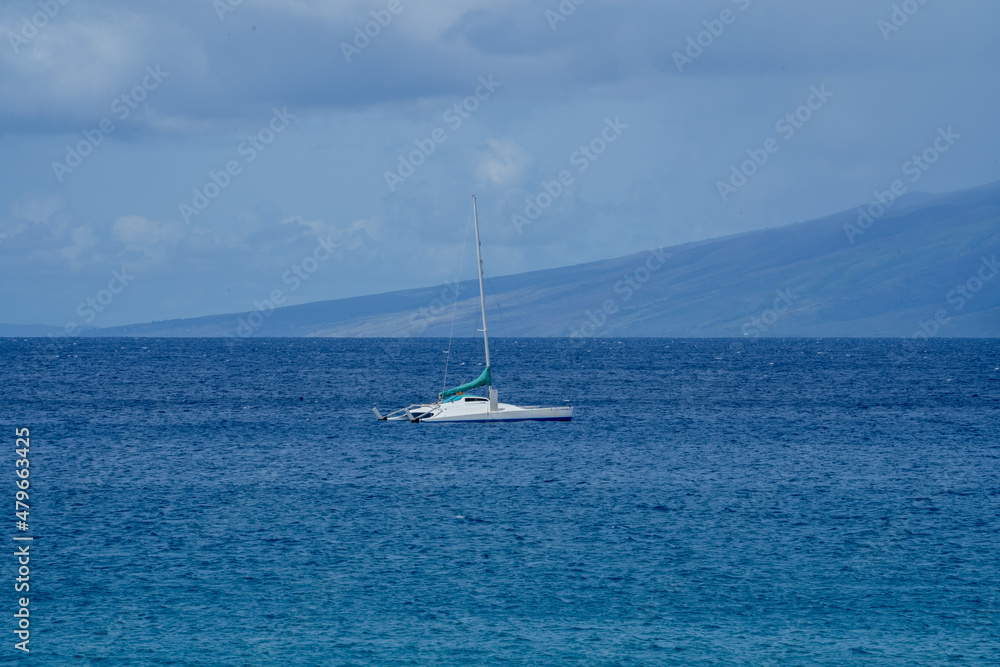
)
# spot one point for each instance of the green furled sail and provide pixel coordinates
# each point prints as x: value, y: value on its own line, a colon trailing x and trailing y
x: 481, y: 381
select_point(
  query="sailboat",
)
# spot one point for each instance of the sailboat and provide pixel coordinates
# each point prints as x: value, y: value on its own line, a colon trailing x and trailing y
x: 454, y: 405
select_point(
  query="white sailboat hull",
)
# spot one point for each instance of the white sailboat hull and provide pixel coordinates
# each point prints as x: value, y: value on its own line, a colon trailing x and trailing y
x: 466, y: 410
x: 504, y: 413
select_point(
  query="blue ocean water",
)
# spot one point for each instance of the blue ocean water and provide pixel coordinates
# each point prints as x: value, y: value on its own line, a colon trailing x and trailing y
x: 771, y: 502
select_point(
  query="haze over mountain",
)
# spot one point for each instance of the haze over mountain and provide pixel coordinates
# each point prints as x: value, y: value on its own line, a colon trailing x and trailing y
x: 926, y: 264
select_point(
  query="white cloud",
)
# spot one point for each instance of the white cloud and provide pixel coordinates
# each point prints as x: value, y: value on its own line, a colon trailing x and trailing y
x: 71, y: 62
x: 145, y: 238
x: 36, y: 208
x: 310, y: 227
x: 136, y: 231
x: 503, y: 163
x: 83, y: 239
x: 426, y: 22
x: 351, y: 237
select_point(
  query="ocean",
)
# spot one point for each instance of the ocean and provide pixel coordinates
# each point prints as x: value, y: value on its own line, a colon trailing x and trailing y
x: 713, y: 502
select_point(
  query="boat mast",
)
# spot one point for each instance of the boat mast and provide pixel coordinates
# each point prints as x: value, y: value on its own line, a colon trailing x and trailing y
x: 482, y: 294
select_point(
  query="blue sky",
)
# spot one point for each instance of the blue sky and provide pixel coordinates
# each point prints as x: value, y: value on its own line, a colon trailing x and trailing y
x: 183, y: 158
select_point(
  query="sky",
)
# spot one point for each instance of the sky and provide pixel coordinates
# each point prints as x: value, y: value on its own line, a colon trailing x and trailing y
x: 167, y: 159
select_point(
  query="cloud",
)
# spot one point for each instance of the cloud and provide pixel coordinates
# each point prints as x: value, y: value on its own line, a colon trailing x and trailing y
x: 66, y: 78
x: 82, y: 239
x: 72, y: 66
x: 355, y: 235
x: 145, y: 241
x: 503, y: 163
x: 286, y: 52
x: 68, y: 75
x: 36, y: 208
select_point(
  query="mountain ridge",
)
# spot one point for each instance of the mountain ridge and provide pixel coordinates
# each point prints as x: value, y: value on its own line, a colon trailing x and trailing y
x: 900, y: 274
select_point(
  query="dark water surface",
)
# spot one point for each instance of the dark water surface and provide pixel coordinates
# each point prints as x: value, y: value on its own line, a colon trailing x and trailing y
x: 213, y: 502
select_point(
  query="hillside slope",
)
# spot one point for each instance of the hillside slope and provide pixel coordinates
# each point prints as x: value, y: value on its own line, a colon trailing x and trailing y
x: 927, y: 256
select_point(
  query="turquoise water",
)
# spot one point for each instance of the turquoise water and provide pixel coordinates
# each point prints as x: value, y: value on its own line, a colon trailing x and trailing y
x: 766, y: 502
